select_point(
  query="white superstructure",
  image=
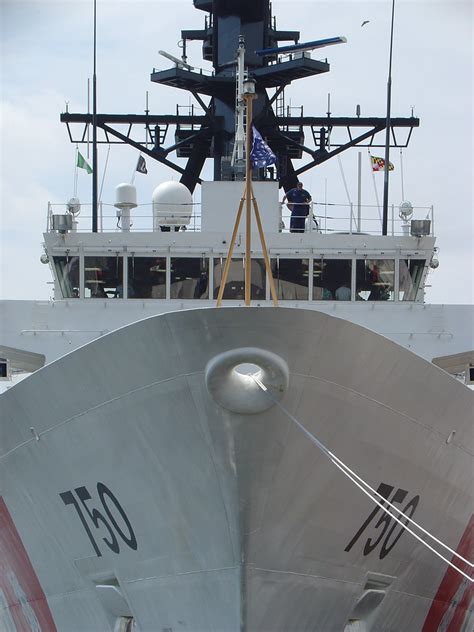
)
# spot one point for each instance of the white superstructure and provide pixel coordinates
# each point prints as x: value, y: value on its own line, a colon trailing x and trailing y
x: 164, y: 271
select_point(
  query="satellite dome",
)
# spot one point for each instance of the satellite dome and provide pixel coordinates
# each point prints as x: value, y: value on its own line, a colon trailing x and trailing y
x: 125, y: 196
x: 172, y: 205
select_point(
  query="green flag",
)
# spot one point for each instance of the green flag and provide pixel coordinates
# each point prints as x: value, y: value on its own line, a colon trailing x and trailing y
x: 82, y: 163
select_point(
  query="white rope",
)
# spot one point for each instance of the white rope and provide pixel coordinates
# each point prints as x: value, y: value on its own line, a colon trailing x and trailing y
x: 353, y: 476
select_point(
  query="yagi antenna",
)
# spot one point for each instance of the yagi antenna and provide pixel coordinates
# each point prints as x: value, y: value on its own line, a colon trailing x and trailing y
x: 179, y: 62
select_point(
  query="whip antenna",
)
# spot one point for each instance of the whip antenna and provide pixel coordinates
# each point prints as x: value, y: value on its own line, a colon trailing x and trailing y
x: 94, y: 128
x: 387, y: 132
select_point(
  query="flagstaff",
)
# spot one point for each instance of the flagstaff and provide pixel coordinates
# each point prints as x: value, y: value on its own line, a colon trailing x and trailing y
x: 387, y: 131
x: 94, y: 130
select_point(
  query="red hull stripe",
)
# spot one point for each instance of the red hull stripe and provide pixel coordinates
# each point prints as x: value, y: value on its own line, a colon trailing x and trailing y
x: 20, y: 590
x: 455, y: 593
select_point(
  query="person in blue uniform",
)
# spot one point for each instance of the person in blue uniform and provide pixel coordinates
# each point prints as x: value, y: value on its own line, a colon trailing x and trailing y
x: 298, y: 199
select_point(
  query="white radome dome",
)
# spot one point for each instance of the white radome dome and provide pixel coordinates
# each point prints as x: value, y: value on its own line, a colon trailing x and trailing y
x: 125, y: 196
x: 172, y: 205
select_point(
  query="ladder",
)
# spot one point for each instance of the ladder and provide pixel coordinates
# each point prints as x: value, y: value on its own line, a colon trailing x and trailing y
x: 280, y: 104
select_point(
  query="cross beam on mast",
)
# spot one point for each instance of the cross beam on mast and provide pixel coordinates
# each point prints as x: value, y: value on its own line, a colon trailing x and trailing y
x: 108, y: 123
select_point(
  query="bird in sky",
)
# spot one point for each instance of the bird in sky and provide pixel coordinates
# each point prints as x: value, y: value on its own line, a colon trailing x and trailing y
x: 364, y: 23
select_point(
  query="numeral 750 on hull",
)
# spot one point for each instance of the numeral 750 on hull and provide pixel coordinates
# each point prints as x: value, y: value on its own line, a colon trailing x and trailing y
x: 388, y: 534
x: 107, y: 520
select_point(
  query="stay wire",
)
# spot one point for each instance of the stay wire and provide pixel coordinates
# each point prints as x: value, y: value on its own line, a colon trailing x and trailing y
x: 103, y: 175
x: 355, y: 478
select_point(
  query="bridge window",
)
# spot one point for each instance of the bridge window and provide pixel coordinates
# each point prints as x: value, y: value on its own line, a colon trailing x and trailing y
x: 147, y: 277
x: 189, y: 278
x: 375, y: 280
x: 332, y: 279
x: 103, y: 277
x: 291, y: 278
x: 67, y: 273
x: 235, y: 285
x: 411, y: 273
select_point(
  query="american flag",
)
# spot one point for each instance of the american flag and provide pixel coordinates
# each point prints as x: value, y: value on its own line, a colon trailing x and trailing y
x: 261, y: 154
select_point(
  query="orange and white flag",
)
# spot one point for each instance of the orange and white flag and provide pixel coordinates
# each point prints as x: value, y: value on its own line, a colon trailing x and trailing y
x: 378, y: 164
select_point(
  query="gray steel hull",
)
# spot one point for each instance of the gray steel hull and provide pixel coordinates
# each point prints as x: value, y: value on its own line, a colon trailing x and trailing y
x: 240, y: 522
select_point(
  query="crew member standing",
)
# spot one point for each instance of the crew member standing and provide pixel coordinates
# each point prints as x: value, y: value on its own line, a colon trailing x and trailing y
x: 298, y: 199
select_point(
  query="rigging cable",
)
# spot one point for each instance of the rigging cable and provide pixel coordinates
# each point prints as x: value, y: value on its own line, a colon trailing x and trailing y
x: 103, y: 175
x: 362, y: 485
x: 75, y: 170
x: 346, y: 188
x: 401, y: 173
x: 101, y: 187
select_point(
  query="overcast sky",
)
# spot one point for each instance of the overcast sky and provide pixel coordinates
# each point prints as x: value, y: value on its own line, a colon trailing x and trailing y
x: 47, y: 59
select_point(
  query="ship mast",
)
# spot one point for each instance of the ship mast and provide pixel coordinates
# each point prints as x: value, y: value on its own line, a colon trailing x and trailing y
x: 238, y: 153
x: 214, y: 134
x: 245, y: 88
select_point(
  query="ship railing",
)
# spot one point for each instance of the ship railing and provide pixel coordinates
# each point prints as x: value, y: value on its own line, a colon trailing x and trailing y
x: 200, y: 71
x: 141, y: 218
x: 324, y: 218
x: 290, y: 56
x: 188, y: 110
x: 329, y: 218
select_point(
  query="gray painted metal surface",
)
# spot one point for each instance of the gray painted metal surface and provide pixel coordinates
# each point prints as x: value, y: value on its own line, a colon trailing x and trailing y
x: 54, y: 328
x: 240, y: 523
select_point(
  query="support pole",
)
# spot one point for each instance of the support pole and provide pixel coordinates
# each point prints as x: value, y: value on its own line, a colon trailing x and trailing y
x: 264, y: 250
x: 248, y: 201
x: 249, y: 198
x: 229, y: 254
x: 95, y: 166
x: 359, y: 191
x: 387, y: 132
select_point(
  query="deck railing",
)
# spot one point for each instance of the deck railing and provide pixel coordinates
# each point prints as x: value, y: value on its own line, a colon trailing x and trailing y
x: 327, y: 218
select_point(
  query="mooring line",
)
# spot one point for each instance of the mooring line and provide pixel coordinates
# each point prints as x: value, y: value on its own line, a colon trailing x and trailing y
x: 357, y: 480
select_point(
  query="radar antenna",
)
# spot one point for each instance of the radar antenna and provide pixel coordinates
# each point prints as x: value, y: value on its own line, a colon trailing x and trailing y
x: 180, y: 63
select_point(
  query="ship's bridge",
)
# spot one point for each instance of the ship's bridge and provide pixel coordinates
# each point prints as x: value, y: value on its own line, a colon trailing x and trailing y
x: 340, y: 257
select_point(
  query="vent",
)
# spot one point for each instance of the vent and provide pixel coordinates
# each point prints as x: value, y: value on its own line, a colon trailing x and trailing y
x: 373, y: 593
x: 112, y: 598
x: 125, y: 624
